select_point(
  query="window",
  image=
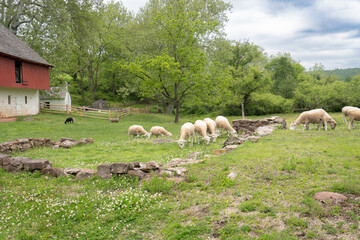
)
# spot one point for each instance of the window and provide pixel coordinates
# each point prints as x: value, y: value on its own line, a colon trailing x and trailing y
x: 9, y: 99
x: 18, y: 72
x: 25, y: 99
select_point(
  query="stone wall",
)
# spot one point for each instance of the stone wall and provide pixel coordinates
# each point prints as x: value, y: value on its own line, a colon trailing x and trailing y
x: 242, y: 125
x: 24, y: 144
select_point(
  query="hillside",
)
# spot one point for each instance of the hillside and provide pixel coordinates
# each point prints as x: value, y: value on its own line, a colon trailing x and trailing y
x: 344, y: 74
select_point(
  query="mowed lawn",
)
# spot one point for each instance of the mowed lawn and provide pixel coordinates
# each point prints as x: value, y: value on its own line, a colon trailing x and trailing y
x: 270, y: 198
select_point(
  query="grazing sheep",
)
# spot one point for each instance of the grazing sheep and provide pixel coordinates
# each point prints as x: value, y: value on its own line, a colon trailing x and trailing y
x: 211, y: 128
x: 354, y: 114
x: 223, y: 124
x: 69, y: 120
x: 159, y: 131
x: 345, y: 111
x: 137, y: 130
x: 187, y: 132
x: 200, y: 128
x: 316, y: 116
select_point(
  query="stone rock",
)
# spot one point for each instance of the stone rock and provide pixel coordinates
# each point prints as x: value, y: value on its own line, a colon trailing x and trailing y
x: 194, y: 155
x: 55, y: 146
x: 121, y: 168
x: 178, y: 171
x: 57, y: 142
x: 68, y: 144
x: 86, y: 140
x: 36, y: 164
x: 332, y: 196
x: 4, y: 159
x: 17, y: 163
x: 218, y: 151
x: 137, y: 173
x: 136, y: 164
x: 234, y: 140
x: 150, y: 166
x: 71, y: 171
x: 231, y: 147
x: 104, y: 171
x: 232, y: 175
x: 264, y: 130
x: 63, y: 139
x: 85, y: 173
x: 253, y: 138
x: 166, y: 173
x: 54, y: 172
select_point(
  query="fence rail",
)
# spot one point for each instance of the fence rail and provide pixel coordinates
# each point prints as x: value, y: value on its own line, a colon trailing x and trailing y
x: 106, y: 114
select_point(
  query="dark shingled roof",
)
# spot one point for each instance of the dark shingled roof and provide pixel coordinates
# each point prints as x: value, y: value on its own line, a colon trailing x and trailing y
x: 10, y: 45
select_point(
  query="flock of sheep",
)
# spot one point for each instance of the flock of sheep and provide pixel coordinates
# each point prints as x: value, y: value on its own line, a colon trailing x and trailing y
x: 321, y: 117
x: 189, y: 131
x: 201, y: 128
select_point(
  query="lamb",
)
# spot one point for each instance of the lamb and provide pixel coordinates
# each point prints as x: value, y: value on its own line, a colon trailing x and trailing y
x: 200, y: 128
x: 159, y: 131
x: 345, y: 111
x: 187, y: 132
x: 223, y: 124
x: 354, y: 114
x: 137, y: 130
x: 316, y: 116
x: 211, y: 128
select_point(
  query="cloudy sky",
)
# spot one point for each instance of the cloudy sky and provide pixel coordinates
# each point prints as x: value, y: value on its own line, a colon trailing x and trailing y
x: 312, y: 31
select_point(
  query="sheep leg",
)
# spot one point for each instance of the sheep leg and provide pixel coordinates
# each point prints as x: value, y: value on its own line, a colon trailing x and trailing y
x: 325, y: 124
x: 344, y: 120
x: 349, y: 125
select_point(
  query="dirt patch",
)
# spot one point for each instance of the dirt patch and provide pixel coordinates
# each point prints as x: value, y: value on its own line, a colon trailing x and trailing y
x: 7, y: 119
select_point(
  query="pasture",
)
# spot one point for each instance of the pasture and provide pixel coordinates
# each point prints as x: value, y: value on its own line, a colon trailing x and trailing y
x: 270, y: 198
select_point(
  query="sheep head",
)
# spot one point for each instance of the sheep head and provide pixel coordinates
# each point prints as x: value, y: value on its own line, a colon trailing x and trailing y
x: 293, y: 125
x: 147, y: 135
x: 207, y: 140
x: 333, y: 125
x: 169, y: 134
x: 181, y: 143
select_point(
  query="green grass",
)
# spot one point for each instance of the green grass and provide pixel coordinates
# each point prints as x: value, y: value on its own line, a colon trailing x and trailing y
x: 271, y: 197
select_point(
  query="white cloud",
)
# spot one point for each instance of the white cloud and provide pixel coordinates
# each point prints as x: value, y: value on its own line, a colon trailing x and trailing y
x: 346, y: 10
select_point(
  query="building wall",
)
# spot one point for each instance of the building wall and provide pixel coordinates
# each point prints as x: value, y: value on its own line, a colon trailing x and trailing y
x: 33, y: 76
x: 17, y: 106
x: 55, y: 104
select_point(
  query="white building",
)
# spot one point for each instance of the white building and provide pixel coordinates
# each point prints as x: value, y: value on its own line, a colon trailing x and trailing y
x: 56, y: 98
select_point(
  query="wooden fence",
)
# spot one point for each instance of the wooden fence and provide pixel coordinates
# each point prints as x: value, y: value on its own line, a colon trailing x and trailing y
x: 107, y: 114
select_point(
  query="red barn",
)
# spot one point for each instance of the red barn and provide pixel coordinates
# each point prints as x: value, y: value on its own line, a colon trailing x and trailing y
x: 22, y: 74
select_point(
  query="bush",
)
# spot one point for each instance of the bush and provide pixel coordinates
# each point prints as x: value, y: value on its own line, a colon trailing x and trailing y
x: 268, y: 103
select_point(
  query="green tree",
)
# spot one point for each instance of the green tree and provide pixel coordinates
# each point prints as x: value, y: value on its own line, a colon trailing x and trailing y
x: 285, y: 72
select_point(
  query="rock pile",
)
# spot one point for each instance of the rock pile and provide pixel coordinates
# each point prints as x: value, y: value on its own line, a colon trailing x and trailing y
x: 24, y: 144
x: 241, y: 125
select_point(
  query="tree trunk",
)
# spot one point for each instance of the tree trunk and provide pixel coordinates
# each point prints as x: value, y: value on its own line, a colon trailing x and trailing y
x: 177, y: 104
x: 82, y: 87
x: 242, y: 110
x: 170, y: 108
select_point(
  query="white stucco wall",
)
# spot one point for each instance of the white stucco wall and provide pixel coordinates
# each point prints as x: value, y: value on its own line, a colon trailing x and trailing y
x: 17, y: 106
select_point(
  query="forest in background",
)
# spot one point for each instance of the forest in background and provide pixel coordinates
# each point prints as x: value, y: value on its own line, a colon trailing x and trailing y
x: 172, y: 54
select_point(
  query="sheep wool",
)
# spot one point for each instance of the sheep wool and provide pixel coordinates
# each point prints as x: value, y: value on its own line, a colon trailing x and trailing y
x: 186, y: 132
x: 201, y: 128
x: 159, y: 131
x: 316, y: 116
x: 137, y: 130
x: 211, y: 128
x: 223, y: 124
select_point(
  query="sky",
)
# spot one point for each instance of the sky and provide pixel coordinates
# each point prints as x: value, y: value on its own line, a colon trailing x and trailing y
x: 323, y: 32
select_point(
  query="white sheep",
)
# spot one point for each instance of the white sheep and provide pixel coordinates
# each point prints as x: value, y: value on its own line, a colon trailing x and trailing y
x: 345, y: 111
x: 223, y: 124
x: 201, y: 128
x: 187, y: 132
x: 137, y: 130
x: 354, y: 114
x: 211, y: 128
x: 316, y: 116
x: 159, y: 131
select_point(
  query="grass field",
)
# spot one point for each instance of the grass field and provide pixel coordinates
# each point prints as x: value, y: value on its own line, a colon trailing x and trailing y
x: 271, y: 197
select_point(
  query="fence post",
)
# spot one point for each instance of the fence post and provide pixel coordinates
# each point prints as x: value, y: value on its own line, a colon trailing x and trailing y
x: 67, y: 109
x: 109, y: 115
x: 83, y: 111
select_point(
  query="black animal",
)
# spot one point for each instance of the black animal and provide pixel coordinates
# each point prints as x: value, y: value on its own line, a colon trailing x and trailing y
x: 69, y: 120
